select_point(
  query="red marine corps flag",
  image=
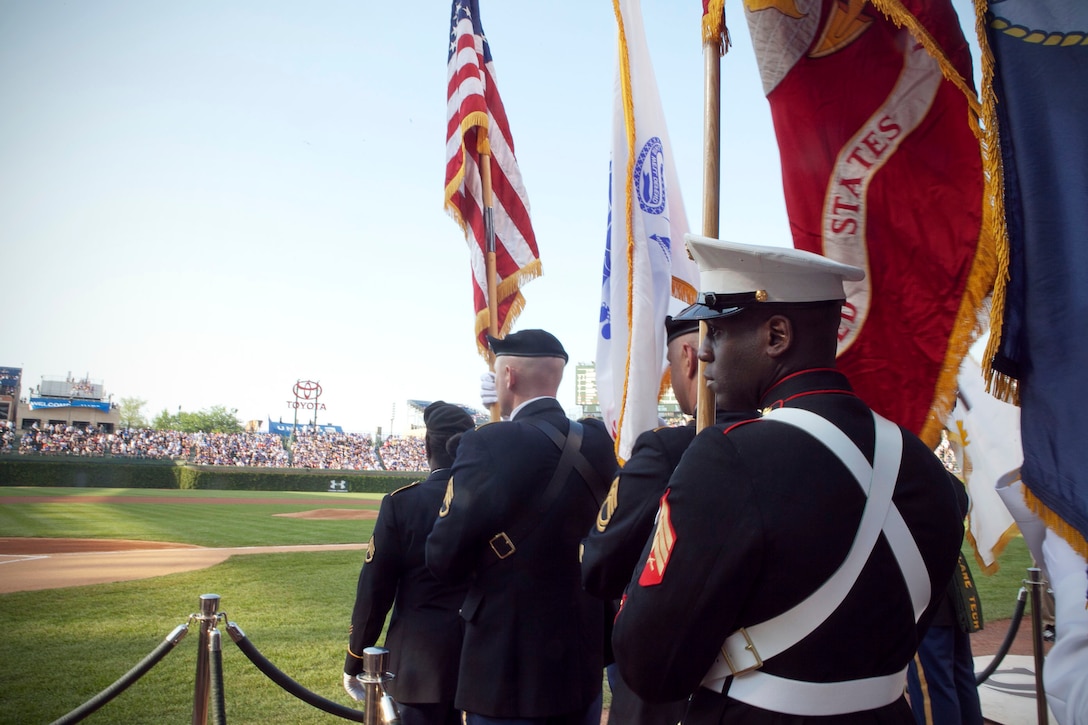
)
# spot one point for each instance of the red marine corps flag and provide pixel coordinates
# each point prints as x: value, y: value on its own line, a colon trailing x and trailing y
x: 882, y: 170
x: 484, y: 191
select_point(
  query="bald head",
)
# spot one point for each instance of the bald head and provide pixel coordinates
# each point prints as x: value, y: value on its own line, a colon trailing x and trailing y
x: 518, y: 379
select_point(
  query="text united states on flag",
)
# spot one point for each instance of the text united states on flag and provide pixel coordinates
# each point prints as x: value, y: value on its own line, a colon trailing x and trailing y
x: 477, y: 125
x: 881, y: 169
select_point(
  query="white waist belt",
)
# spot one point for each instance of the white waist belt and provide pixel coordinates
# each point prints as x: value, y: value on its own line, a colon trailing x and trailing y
x: 795, y: 697
x: 744, y: 652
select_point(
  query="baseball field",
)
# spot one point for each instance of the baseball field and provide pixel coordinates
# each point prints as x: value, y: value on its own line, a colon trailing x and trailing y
x: 153, y: 554
x: 93, y: 580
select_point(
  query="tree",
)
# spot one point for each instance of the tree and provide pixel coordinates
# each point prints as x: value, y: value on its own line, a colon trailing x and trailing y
x: 216, y: 419
x: 132, y: 413
x: 167, y: 421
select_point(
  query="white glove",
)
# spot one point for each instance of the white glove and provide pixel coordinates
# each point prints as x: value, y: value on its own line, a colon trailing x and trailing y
x: 488, y: 394
x: 354, y: 687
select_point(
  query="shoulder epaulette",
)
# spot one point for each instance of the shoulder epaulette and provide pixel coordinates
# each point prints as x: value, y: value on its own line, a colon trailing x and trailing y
x: 405, y: 488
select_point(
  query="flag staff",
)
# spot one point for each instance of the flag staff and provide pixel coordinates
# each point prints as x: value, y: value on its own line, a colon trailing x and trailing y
x: 715, y: 45
x: 489, y: 252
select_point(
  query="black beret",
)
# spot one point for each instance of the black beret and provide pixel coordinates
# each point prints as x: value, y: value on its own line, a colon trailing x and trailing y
x: 674, y: 328
x: 528, y: 343
x: 442, y: 417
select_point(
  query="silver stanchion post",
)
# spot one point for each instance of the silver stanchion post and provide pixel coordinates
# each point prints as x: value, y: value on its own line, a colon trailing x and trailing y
x: 380, y: 708
x: 1036, y: 583
x: 209, y: 612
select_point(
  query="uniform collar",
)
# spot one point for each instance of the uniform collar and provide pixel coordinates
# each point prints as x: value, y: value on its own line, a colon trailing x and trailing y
x: 531, y: 406
x: 802, y: 383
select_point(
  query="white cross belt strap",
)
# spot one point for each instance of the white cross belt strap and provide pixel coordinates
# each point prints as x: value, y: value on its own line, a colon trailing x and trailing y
x: 745, y: 651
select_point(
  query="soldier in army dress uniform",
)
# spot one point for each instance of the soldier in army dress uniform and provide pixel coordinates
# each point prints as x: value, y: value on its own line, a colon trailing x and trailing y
x: 523, y: 493
x: 626, y: 520
x: 425, y: 631
x: 797, y: 555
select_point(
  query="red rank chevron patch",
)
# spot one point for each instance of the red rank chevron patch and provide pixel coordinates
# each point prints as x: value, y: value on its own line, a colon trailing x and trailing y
x: 664, y: 540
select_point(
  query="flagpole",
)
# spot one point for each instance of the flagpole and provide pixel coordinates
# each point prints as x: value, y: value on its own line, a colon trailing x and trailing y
x: 489, y: 254
x: 713, y: 50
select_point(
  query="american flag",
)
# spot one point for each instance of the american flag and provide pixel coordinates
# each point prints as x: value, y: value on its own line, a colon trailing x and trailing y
x: 477, y: 125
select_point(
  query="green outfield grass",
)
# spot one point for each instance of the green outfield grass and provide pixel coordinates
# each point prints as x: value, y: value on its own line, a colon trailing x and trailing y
x: 998, y: 591
x: 61, y: 647
x: 181, y: 520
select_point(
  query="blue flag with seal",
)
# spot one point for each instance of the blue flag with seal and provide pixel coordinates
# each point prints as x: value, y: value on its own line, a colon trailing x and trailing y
x: 1037, y: 52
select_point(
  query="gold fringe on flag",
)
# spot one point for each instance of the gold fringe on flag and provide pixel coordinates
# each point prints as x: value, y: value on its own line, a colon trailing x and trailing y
x: 1000, y: 385
x: 984, y: 125
x: 998, y: 549
x: 970, y: 324
x: 1056, y: 523
x: 714, y: 30
x: 475, y: 119
x: 683, y: 290
x: 629, y: 128
x: 893, y: 10
x: 507, y: 287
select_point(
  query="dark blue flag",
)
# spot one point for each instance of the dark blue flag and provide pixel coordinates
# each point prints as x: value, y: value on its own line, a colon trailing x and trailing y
x: 1040, y: 52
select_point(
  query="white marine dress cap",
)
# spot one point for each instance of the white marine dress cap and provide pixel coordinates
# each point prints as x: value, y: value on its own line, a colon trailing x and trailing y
x: 733, y: 276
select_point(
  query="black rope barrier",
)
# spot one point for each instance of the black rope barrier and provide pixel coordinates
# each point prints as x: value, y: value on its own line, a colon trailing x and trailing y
x: 165, y: 647
x: 283, y: 680
x: 218, y: 711
x: 1010, y: 636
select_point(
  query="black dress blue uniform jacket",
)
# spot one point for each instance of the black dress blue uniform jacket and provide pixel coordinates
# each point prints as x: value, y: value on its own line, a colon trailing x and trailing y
x: 534, y: 638
x: 759, y: 515
x: 425, y: 630
x: 614, y: 546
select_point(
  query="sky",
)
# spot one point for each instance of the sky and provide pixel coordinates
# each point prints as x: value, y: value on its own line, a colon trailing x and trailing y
x: 203, y: 203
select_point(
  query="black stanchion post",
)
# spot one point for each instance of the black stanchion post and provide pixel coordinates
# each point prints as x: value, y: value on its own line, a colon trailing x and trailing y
x: 1036, y: 583
x: 209, y: 612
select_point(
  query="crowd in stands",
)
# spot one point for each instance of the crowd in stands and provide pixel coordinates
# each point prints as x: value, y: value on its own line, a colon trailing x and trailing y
x: 338, y: 451
x: 72, y: 440
x: 263, y: 450
x: 7, y: 436
x: 335, y: 451
x: 404, y: 454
